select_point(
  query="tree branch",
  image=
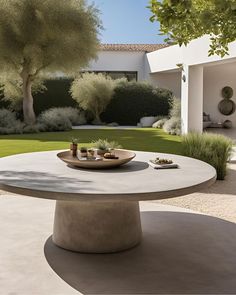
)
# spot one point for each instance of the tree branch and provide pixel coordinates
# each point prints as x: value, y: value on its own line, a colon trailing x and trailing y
x: 39, y: 70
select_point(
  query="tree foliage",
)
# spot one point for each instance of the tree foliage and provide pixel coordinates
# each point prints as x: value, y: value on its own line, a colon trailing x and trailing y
x: 11, y: 89
x: 45, y: 36
x: 185, y: 20
x: 93, y: 92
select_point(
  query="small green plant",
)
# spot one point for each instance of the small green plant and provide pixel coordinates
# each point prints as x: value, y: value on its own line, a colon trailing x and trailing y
x: 104, y: 144
x: 74, y: 140
x: 101, y: 144
x: 114, y: 145
x: 213, y: 149
x: 83, y: 150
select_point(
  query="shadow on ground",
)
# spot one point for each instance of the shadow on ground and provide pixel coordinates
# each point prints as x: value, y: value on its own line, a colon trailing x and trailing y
x: 181, y: 253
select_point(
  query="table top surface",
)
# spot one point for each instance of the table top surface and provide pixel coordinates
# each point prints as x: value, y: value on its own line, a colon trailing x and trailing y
x: 43, y: 175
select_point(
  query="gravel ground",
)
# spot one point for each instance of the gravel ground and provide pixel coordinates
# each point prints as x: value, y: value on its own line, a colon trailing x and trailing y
x: 219, y: 200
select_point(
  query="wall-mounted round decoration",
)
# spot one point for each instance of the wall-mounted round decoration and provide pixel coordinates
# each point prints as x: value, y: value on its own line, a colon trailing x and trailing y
x: 227, y: 124
x: 226, y: 107
x: 227, y: 92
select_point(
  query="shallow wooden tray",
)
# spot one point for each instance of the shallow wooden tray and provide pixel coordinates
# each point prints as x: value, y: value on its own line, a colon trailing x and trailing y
x: 124, y: 157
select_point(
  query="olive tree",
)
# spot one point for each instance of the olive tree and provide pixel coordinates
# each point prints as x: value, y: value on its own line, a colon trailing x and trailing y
x: 93, y: 92
x: 38, y: 37
x: 185, y: 20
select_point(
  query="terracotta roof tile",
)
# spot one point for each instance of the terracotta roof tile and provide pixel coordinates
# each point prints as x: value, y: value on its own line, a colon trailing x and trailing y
x: 132, y: 47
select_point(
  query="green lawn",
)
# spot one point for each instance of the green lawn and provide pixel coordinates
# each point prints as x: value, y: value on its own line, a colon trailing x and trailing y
x: 146, y: 139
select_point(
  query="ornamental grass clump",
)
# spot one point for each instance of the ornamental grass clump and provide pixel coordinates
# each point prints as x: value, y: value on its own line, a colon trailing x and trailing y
x: 213, y: 149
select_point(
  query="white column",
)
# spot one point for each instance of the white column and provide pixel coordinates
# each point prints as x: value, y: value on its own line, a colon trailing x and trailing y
x: 192, y: 99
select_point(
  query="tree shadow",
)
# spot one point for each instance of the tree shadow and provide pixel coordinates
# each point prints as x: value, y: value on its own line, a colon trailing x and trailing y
x: 42, y: 181
x: 129, y: 167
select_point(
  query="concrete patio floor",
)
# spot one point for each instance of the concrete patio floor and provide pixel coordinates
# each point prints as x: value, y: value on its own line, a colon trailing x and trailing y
x: 231, y: 133
x: 26, y: 224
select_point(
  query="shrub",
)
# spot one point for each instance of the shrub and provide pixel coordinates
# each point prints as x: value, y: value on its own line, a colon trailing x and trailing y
x: 16, y: 129
x: 9, y: 123
x: 60, y: 119
x: 76, y: 116
x: 134, y: 100
x: 54, y: 120
x: 93, y: 92
x: 211, y: 148
x: 173, y: 125
x: 175, y: 107
x: 159, y: 123
x: 36, y: 128
x: 7, y: 118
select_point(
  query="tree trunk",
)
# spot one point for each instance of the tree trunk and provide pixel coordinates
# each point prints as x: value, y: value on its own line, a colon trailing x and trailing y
x: 97, y: 120
x: 28, y: 102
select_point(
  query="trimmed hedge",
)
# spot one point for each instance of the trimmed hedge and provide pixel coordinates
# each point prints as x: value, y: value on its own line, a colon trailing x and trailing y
x: 56, y: 95
x: 133, y: 100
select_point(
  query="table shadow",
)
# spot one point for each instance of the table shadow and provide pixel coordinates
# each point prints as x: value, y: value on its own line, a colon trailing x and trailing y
x: 181, y: 253
x: 129, y: 167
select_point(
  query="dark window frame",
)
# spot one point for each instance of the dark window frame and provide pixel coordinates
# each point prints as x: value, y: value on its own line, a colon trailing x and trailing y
x: 125, y: 73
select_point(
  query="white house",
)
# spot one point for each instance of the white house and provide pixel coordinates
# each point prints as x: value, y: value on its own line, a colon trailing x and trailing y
x: 188, y: 71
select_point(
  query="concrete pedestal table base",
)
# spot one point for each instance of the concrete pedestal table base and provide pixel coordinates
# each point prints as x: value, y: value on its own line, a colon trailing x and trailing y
x: 97, y: 227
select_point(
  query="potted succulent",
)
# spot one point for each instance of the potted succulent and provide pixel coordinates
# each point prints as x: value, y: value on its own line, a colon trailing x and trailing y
x: 103, y: 146
x: 83, y: 152
x: 74, y: 146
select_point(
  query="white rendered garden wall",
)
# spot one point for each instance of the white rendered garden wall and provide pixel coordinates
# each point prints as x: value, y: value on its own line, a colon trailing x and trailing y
x: 196, y: 88
x: 120, y: 61
x: 215, y: 78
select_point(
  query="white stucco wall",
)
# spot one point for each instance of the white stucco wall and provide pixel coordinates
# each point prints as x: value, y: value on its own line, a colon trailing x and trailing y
x: 196, y: 53
x: 120, y: 61
x: 171, y: 81
x: 215, y: 78
x: 192, y: 100
x: 164, y: 59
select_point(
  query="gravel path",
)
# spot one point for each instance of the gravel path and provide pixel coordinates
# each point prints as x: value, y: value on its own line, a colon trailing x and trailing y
x: 219, y: 200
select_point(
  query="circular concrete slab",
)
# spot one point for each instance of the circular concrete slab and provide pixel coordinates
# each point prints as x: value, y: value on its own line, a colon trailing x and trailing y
x: 43, y: 175
x: 181, y: 253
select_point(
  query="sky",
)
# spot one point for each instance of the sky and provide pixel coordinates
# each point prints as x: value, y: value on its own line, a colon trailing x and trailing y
x: 127, y: 21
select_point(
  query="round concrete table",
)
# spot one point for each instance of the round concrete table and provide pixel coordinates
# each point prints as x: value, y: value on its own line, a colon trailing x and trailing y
x: 97, y: 211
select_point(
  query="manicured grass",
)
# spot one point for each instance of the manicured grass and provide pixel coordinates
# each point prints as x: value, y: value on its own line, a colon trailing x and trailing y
x: 147, y: 139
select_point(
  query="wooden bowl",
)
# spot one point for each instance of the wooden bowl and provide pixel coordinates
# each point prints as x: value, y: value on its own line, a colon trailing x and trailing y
x: 124, y: 157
